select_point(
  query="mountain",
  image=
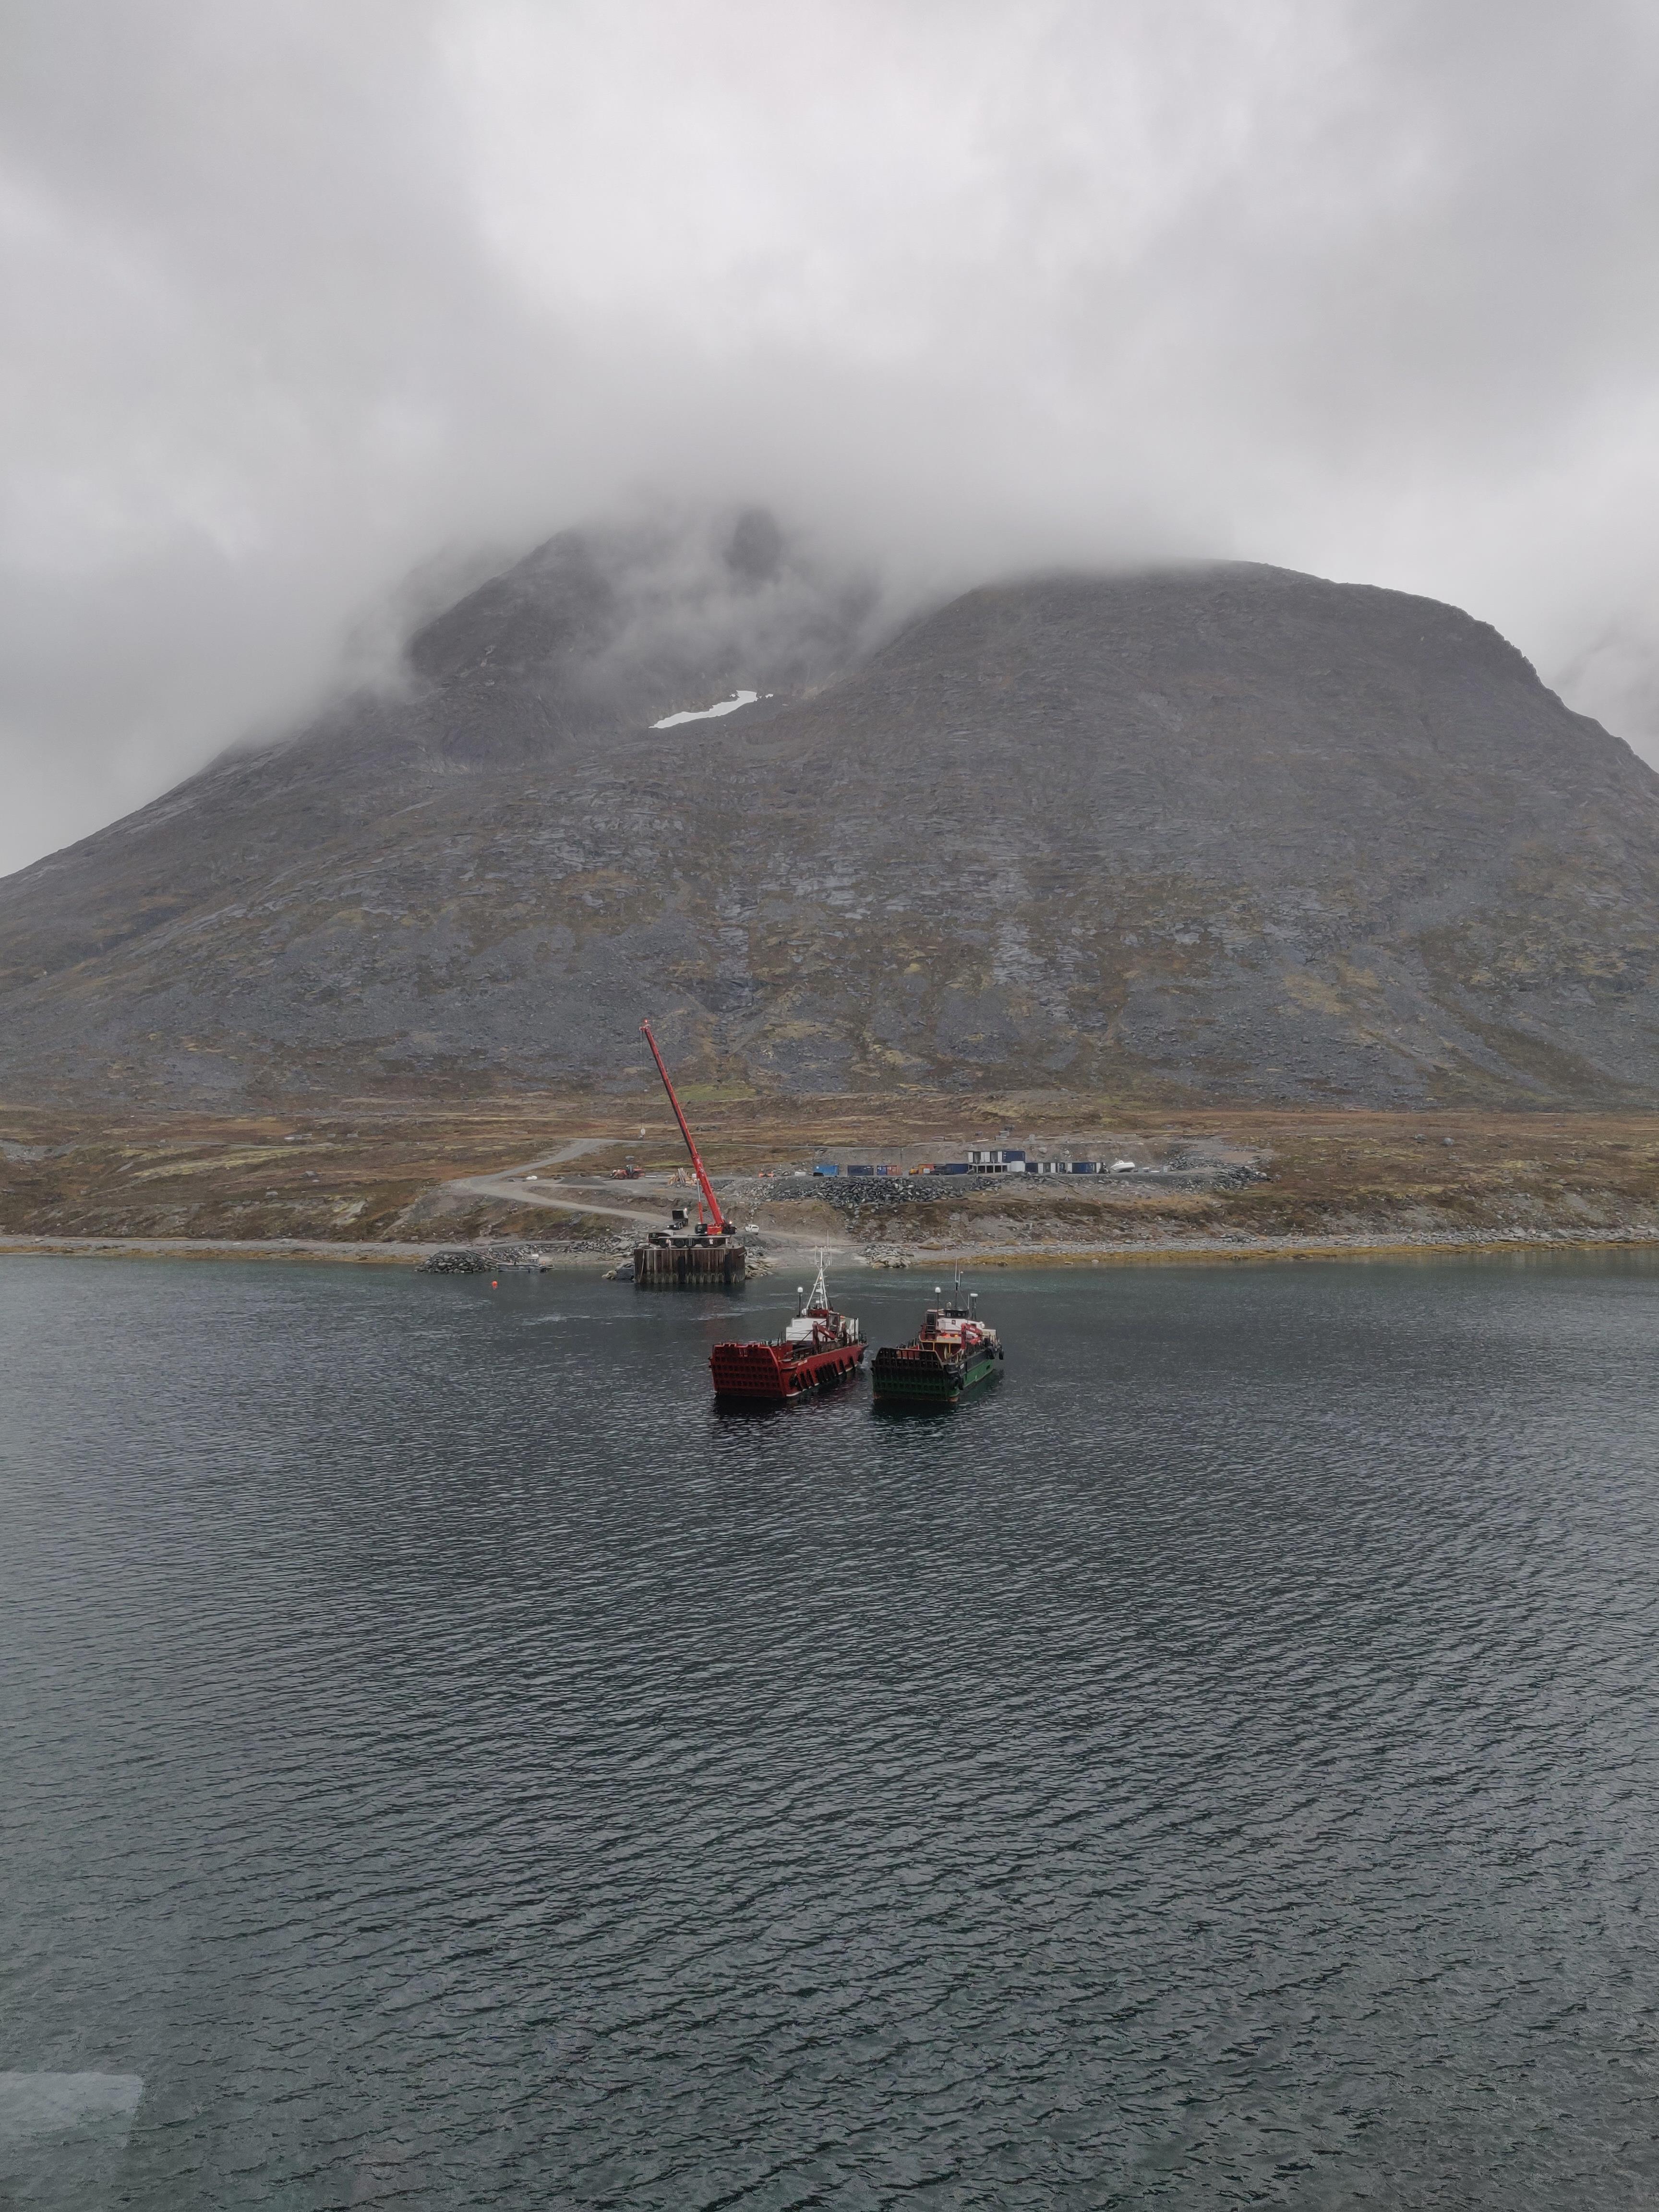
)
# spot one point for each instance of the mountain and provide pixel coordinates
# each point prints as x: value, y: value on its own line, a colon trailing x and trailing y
x: 1224, y: 831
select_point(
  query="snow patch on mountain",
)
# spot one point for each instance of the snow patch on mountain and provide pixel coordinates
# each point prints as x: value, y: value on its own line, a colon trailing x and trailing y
x: 706, y: 713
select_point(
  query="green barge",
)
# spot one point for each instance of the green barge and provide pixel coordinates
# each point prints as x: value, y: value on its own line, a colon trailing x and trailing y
x: 953, y: 1353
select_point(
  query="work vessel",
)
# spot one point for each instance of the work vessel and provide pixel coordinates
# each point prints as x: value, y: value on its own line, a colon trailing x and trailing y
x: 819, y: 1349
x: 953, y: 1353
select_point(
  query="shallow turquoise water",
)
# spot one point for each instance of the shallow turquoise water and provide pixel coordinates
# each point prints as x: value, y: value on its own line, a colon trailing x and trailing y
x: 447, y: 1764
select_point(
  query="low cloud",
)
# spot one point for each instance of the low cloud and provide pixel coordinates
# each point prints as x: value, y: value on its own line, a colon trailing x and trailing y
x: 307, y: 302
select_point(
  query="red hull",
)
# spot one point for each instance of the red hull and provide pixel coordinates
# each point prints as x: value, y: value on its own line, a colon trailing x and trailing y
x: 778, y: 1371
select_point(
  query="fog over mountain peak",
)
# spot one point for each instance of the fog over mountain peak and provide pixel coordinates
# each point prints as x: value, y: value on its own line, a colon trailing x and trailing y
x: 305, y: 300
x: 633, y: 620
x: 1208, y: 830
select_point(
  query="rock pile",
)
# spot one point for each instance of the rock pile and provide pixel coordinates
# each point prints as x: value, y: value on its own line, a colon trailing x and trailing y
x: 485, y: 1259
x: 856, y: 1194
x: 883, y: 1193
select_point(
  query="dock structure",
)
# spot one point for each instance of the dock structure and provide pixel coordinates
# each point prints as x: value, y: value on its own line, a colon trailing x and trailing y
x: 669, y: 1261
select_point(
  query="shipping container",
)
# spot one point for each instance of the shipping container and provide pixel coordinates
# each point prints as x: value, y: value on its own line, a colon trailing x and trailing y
x: 827, y: 1170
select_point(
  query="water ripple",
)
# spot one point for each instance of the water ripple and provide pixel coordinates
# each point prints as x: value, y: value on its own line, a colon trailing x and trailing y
x: 453, y: 1765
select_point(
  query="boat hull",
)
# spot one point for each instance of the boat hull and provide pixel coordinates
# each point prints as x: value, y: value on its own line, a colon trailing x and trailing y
x: 771, y: 1375
x: 919, y: 1375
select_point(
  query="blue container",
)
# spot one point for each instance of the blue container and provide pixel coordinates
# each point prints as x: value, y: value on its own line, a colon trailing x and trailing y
x: 1085, y: 1167
x: 869, y: 1171
x: 826, y: 1171
x: 954, y: 1167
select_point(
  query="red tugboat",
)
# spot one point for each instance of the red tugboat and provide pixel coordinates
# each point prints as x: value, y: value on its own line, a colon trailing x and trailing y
x: 819, y: 1349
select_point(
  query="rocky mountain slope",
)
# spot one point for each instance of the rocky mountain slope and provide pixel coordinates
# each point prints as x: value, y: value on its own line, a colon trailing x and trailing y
x: 1229, y: 831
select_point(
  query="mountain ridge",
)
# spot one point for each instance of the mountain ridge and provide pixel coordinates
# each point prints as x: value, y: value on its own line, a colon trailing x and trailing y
x: 1221, y: 830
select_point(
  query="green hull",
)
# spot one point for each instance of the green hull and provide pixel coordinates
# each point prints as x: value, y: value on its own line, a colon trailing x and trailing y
x: 928, y: 1380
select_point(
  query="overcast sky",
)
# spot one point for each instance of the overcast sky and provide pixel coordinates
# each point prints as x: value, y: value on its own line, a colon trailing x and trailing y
x: 301, y: 298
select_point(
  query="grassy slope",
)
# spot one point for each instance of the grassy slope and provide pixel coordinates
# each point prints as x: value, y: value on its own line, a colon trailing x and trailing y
x: 368, y: 1174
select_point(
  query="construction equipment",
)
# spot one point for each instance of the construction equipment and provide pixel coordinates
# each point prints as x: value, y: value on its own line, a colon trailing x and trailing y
x: 719, y: 1227
x: 819, y: 1349
x: 678, y: 1258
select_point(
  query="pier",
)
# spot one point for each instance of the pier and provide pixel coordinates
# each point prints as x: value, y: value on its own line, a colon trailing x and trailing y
x: 667, y: 1262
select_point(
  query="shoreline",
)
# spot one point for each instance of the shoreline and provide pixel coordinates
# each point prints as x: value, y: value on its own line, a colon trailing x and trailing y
x: 1354, y: 1244
x: 217, y: 1248
x: 341, y: 1186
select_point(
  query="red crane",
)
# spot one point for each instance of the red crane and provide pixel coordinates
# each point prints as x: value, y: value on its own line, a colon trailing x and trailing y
x: 720, y: 1222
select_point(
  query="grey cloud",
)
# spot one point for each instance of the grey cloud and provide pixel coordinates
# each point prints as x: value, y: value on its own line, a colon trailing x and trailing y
x: 312, y: 307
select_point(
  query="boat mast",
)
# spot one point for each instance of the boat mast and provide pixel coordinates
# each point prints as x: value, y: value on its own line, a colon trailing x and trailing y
x: 707, y: 1188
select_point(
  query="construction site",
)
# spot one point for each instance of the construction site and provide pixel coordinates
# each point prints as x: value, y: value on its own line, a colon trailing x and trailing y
x: 585, y: 1184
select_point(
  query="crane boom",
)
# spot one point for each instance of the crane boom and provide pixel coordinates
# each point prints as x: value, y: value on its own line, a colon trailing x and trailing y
x: 707, y: 1188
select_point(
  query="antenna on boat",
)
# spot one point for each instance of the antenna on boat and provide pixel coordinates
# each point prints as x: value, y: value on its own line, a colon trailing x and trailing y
x: 820, y: 1297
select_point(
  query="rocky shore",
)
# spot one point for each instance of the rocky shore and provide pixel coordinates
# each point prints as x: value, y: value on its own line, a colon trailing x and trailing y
x: 462, y: 1261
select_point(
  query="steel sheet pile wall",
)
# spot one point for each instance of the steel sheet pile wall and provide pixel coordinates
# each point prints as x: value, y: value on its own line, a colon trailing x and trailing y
x: 693, y: 1264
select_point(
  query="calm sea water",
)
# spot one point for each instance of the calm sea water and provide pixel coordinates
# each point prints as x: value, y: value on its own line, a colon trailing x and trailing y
x: 446, y: 1764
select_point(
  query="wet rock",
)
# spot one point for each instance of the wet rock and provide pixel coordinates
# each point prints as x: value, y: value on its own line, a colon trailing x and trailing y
x: 461, y: 1262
